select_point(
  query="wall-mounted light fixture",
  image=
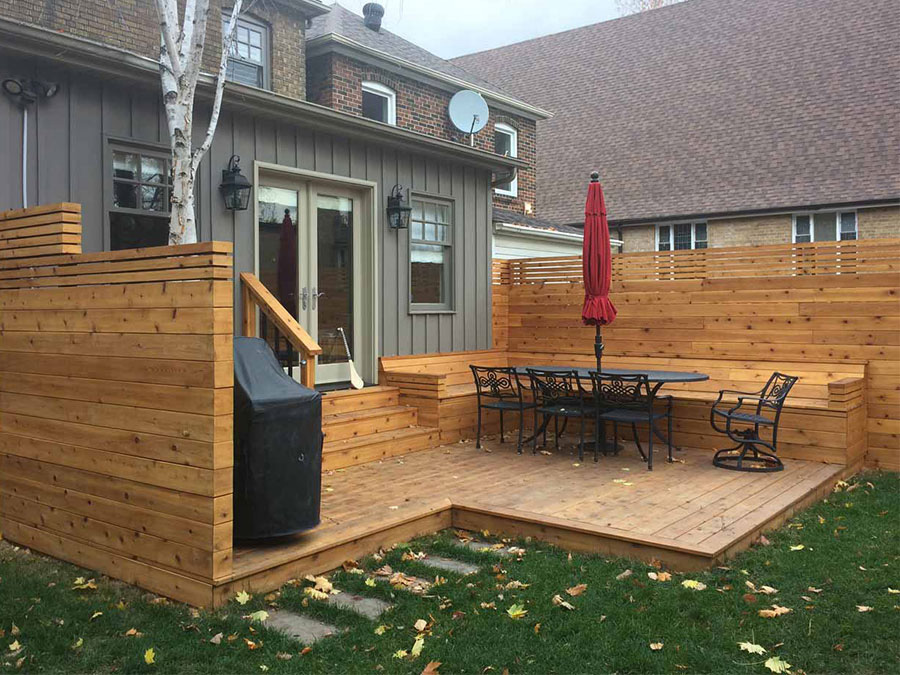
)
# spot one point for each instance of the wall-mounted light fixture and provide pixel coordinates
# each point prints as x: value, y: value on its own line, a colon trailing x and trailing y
x: 398, y: 209
x: 235, y: 187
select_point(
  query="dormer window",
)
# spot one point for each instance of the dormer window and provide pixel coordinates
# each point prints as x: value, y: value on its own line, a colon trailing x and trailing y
x: 379, y: 103
x: 249, y: 59
x: 506, y: 142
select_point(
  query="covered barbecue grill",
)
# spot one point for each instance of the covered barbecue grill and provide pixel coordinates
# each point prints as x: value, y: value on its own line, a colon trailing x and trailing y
x: 277, y: 446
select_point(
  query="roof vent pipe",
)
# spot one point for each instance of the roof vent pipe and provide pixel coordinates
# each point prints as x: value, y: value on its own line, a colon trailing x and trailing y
x: 372, y: 13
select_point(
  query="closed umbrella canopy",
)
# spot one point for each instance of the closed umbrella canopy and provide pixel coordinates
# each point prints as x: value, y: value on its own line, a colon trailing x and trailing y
x: 598, y: 310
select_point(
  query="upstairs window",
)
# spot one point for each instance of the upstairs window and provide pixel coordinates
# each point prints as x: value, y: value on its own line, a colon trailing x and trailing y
x: 249, y: 59
x: 825, y: 226
x: 141, y: 188
x: 681, y: 236
x: 379, y: 103
x: 506, y: 142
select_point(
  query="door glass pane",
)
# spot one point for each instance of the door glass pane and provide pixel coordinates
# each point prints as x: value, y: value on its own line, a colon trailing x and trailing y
x: 335, y: 283
x: 825, y: 226
x: 278, y: 244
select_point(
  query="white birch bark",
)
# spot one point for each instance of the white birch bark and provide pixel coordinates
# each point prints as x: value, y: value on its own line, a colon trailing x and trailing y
x: 180, y: 62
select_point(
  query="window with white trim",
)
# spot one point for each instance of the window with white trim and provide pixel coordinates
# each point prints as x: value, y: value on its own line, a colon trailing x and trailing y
x: 506, y: 142
x: 824, y: 226
x: 379, y: 103
x: 248, y: 62
x: 681, y: 236
x: 140, y: 194
x: 431, y: 256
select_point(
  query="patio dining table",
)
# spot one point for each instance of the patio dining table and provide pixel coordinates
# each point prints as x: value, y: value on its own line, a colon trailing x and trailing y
x: 656, y: 379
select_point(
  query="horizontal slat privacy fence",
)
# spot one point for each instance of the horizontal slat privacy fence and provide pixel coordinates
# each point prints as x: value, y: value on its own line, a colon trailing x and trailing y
x: 740, y: 305
x: 116, y: 409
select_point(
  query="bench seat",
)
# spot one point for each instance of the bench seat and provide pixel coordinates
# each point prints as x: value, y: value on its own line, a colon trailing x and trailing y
x: 823, y: 418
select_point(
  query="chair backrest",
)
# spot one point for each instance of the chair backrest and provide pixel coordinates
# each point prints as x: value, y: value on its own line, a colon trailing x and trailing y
x: 497, y: 382
x: 776, y: 391
x: 553, y: 386
x: 621, y: 391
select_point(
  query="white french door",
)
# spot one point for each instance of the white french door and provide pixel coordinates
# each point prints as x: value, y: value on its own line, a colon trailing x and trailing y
x: 309, y: 236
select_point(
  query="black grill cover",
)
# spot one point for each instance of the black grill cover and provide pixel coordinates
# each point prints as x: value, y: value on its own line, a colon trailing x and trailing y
x: 277, y: 446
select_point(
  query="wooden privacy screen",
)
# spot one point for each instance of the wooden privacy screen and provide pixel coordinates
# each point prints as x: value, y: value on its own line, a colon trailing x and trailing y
x: 116, y: 407
x: 742, y: 305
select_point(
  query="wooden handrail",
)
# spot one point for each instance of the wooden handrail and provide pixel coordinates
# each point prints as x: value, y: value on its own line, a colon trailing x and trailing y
x: 253, y: 295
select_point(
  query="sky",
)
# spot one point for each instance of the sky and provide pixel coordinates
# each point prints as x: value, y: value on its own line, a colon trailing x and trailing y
x: 450, y: 28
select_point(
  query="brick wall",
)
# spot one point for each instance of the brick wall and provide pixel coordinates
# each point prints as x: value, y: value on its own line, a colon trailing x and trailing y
x: 760, y: 230
x: 132, y: 25
x: 335, y: 80
x: 878, y: 223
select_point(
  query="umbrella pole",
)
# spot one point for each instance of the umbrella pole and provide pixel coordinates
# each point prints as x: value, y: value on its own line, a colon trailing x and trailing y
x: 598, y: 346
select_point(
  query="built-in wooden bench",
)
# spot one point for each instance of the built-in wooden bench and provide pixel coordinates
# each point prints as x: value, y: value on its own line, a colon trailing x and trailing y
x: 824, y: 418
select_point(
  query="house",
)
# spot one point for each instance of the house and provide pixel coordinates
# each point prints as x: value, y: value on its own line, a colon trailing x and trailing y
x: 357, y: 66
x: 719, y: 122
x: 323, y: 151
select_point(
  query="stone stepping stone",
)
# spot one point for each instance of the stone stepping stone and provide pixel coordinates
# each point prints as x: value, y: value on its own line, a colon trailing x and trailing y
x: 299, y: 627
x: 370, y: 608
x: 479, y: 546
x: 449, y: 565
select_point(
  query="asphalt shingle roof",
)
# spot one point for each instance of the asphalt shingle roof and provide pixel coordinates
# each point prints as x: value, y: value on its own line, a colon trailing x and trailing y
x: 712, y: 106
x: 341, y: 21
x: 515, y: 218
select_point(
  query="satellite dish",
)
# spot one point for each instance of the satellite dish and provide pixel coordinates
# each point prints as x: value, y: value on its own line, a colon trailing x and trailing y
x: 468, y: 112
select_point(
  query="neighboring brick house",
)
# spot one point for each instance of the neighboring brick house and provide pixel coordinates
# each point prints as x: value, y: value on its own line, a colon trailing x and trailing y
x: 355, y: 65
x: 719, y: 122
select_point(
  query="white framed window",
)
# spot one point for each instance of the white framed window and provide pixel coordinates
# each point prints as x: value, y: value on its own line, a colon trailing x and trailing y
x: 681, y: 236
x: 824, y: 226
x: 379, y: 103
x: 506, y: 142
x: 248, y: 62
x: 140, y: 187
x: 431, y: 256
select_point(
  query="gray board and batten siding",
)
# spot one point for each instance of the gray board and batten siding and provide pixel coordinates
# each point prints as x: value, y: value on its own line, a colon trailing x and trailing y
x: 69, y: 160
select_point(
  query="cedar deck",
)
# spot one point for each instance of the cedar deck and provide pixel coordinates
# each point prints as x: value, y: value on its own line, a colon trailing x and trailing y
x: 688, y: 514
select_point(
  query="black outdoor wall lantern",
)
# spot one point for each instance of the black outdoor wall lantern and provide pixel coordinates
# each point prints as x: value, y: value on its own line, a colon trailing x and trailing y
x: 398, y: 209
x: 235, y: 187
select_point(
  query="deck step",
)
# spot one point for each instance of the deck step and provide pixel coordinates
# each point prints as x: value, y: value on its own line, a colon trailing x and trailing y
x: 338, y: 454
x: 366, y: 422
x: 352, y: 400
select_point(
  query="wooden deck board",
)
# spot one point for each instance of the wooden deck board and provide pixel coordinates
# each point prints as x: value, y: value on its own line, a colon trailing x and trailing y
x: 686, y: 513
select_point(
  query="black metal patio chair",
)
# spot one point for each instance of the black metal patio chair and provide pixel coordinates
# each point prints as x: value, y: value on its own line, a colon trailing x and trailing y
x: 559, y: 393
x: 752, y: 452
x: 629, y: 399
x: 499, y: 389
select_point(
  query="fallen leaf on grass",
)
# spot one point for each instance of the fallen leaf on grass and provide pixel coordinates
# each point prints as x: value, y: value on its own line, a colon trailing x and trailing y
x: 216, y: 639
x: 777, y: 665
x: 624, y: 575
x: 322, y: 584
x: 15, y: 647
x: 251, y: 645
x: 258, y: 617
x: 559, y: 602
x: 537, y: 628
x: 656, y: 646
x: 488, y: 605
x: 283, y: 656
x: 864, y: 608
x: 263, y: 667
x: 417, y: 647
x: 768, y: 590
x: 315, y: 594
x: 81, y: 585
x: 576, y: 590
x: 135, y: 633
x: 752, y: 648
x: 305, y: 651
x: 777, y: 610
x: 812, y: 589
x: 400, y: 654
x: 693, y: 584
x: 370, y: 582
x: 659, y: 576
x: 243, y: 597
x: 14, y: 631
x: 798, y: 547
x: 150, y: 656
x: 420, y: 625
x: 431, y: 668
x: 516, y: 611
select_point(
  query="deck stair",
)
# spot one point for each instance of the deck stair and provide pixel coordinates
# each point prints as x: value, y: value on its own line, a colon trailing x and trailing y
x: 370, y: 424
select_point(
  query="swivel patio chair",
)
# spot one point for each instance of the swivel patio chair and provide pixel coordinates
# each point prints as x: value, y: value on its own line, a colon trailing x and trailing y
x: 558, y: 393
x: 752, y: 452
x: 499, y: 389
x: 629, y: 399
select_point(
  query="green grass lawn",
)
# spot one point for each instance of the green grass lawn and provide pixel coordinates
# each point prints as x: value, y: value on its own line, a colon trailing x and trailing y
x: 837, y: 557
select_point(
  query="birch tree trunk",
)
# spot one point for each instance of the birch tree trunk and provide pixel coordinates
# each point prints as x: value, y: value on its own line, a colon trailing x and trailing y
x: 180, y: 61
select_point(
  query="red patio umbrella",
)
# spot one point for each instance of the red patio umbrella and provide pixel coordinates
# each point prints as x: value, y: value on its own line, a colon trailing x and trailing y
x: 596, y: 262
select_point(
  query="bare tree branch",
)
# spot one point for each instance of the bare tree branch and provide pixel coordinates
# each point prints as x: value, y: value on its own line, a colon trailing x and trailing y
x: 168, y: 20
